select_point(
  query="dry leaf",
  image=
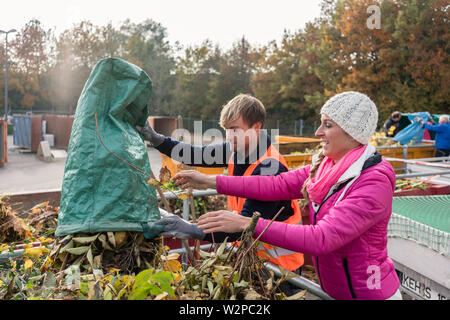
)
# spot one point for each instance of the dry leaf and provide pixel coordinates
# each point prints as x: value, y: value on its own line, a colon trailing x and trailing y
x: 152, y: 181
x: 164, y: 175
x: 162, y: 296
x: 171, y: 262
x: 111, y: 238
x: 40, y: 206
x: 120, y: 237
x: 297, y: 296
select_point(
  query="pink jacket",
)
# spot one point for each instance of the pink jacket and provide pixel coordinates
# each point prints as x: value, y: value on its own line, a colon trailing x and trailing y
x: 348, y: 233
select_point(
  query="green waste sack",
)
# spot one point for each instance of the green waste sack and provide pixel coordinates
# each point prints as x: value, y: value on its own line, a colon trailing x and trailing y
x: 100, y: 192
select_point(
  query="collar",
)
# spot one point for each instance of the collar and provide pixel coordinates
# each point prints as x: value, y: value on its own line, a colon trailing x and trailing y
x: 355, y: 169
x: 264, y: 143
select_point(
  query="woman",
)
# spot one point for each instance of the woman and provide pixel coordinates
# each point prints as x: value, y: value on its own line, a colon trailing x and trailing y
x: 349, y: 190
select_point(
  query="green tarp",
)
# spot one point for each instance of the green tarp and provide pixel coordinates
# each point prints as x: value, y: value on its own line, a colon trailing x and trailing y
x: 100, y: 192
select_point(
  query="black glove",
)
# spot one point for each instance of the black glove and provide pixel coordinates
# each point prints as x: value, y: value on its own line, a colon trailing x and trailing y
x: 179, y: 228
x: 151, y: 135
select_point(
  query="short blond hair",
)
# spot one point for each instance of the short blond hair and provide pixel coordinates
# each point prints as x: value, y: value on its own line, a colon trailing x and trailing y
x: 250, y: 108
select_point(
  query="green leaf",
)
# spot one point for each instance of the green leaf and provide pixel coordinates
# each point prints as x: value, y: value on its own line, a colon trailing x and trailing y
x: 78, y: 250
x: 84, y: 240
x: 222, y: 248
x: 90, y: 257
x: 210, y: 287
x: 155, y: 290
x: 67, y: 246
x: 142, y: 277
x: 142, y: 286
x: 241, y: 284
x: 205, y: 254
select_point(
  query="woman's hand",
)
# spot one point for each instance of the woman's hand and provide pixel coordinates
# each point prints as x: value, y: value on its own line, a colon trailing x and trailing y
x: 194, y: 179
x: 223, y: 221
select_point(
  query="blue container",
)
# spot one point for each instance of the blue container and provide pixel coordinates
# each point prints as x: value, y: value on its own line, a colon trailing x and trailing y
x: 22, y: 131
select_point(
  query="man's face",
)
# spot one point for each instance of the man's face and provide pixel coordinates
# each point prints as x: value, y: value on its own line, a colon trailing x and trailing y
x: 242, y: 138
x: 443, y: 120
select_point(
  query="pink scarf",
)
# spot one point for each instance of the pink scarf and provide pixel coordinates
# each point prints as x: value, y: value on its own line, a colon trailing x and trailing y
x: 329, y: 173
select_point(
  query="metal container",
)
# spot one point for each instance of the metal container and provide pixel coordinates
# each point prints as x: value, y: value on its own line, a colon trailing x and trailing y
x: 3, y: 142
x: 27, y: 131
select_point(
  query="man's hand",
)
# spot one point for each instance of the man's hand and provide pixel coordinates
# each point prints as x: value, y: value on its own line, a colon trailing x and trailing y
x: 150, y: 135
x: 419, y: 119
x: 194, y: 179
x: 223, y: 221
x: 177, y: 227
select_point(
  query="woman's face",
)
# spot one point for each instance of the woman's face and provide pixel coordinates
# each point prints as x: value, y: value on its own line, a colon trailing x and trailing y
x: 335, y: 141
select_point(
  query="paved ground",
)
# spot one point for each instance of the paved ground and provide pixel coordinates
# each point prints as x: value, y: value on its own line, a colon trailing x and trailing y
x: 24, y: 172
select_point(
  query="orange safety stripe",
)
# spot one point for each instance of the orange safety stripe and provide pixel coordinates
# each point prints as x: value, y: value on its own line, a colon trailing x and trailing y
x: 289, y: 260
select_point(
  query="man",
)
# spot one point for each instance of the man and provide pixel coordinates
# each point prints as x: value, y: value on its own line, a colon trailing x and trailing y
x: 442, y: 138
x: 247, y: 151
x: 392, y: 125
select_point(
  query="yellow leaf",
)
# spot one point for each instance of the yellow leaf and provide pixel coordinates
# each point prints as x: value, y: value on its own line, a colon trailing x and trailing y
x: 183, y: 196
x: 112, y: 270
x: 3, y: 247
x: 36, y: 252
x: 152, y: 181
x: 105, y: 280
x: 28, y: 263
x: 177, y: 277
x: 45, y: 240
x: 172, y: 265
x: 46, y: 265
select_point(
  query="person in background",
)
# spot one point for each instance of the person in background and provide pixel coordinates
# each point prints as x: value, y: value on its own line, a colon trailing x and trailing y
x: 426, y: 134
x: 442, y: 137
x: 248, y: 151
x: 392, y: 125
x: 349, y: 189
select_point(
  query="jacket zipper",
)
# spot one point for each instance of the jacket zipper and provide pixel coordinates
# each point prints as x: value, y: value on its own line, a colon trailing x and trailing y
x: 347, y: 275
x: 315, y: 222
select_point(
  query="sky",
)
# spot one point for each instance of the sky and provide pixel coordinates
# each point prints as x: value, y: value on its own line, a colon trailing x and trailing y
x: 188, y: 21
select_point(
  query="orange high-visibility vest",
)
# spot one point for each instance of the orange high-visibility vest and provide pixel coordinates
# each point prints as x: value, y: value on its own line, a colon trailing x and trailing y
x: 287, y: 259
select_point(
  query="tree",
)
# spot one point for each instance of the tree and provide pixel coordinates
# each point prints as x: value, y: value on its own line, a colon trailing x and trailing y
x: 401, y: 66
x: 30, y: 58
x: 146, y: 46
x: 194, y: 74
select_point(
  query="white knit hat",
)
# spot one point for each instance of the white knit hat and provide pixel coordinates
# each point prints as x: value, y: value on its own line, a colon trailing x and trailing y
x: 354, y: 112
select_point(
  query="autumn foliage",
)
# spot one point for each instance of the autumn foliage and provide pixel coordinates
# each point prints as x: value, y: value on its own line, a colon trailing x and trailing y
x: 402, y: 65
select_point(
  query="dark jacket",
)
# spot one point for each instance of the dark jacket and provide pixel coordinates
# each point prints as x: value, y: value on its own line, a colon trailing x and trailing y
x: 391, y: 128
x: 201, y: 156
